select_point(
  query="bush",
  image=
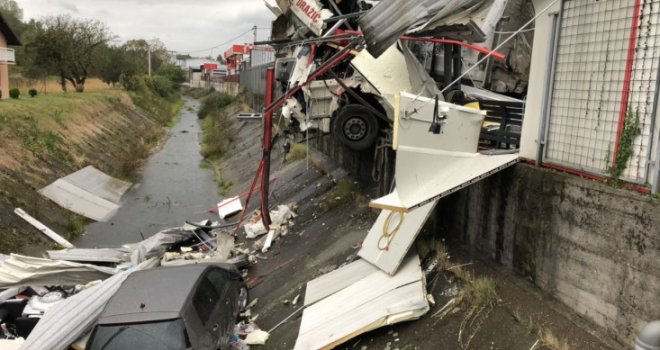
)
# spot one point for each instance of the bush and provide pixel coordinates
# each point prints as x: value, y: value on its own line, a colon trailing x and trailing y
x: 14, y: 93
x: 32, y: 92
x: 214, y: 103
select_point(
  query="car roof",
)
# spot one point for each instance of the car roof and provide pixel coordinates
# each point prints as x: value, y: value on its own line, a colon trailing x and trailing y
x: 153, y: 295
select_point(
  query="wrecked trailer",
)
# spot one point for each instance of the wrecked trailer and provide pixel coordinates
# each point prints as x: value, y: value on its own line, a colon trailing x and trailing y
x: 353, y: 99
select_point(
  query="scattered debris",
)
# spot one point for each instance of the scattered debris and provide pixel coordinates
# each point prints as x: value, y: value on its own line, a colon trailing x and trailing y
x: 229, y: 207
x: 258, y: 337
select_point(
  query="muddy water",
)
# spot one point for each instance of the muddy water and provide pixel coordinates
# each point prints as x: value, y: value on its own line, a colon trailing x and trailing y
x: 174, y: 188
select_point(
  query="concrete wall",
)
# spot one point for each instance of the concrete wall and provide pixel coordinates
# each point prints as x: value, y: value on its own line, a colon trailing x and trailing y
x: 4, y: 72
x: 595, y: 248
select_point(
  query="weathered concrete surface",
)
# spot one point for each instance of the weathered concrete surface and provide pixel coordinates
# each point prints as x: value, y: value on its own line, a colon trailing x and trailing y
x: 595, y: 248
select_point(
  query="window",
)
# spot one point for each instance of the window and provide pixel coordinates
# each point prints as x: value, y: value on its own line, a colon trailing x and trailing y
x: 205, y: 299
x: 167, y: 335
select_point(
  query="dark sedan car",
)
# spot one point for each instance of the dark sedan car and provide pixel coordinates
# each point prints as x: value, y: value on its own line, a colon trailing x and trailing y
x: 183, y: 307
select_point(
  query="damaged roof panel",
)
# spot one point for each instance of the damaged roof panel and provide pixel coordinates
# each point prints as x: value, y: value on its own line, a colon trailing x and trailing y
x: 387, y: 21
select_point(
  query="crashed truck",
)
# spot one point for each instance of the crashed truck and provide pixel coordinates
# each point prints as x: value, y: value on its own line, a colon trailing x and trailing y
x: 392, y: 49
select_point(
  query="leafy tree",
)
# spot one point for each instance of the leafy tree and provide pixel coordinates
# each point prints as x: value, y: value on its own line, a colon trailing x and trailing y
x: 138, y: 52
x: 221, y: 59
x: 13, y: 14
x: 173, y: 73
x: 114, y: 64
x: 69, y: 48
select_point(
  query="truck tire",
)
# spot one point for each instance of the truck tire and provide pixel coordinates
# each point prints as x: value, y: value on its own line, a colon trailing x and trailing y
x: 355, y: 127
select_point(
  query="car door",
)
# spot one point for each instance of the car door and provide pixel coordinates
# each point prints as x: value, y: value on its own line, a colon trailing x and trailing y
x: 226, y: 306
x: 205, y: 303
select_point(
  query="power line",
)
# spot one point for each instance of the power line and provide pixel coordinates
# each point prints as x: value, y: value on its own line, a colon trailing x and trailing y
x: 216, y: 46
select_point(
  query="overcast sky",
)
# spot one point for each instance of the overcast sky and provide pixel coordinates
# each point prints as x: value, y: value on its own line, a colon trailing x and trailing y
x: 183, y: 25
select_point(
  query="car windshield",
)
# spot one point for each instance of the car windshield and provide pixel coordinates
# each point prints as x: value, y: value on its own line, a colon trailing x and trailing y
x: 167, y: 335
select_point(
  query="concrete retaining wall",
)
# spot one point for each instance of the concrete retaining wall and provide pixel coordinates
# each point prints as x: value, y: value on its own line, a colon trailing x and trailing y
x: 595, y: 248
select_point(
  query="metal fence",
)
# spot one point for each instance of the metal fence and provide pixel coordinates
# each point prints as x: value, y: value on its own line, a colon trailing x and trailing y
x: 261, y: 55
x: 606, y: 72
x: 253, y: 80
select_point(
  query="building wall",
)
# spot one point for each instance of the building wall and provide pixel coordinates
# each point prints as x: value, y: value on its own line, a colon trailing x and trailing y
x: 594, y: 248
x: 537, y: 77
x: 583, y: 128
x: 4, y: 72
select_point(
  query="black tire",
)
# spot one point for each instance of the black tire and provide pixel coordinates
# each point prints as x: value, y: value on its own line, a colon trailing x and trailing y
x: 356, y: 127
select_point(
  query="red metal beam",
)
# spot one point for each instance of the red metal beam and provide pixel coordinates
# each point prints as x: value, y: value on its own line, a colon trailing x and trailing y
x: 630, y: 61
x: 438, y: 41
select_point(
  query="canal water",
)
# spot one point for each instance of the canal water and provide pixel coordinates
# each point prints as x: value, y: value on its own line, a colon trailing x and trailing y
x: 174, y: 188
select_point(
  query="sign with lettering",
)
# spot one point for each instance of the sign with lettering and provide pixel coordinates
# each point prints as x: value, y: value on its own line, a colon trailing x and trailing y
x: 310, y: 13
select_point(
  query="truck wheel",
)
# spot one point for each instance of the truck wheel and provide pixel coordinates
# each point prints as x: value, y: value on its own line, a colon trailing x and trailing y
x: 355, y: 127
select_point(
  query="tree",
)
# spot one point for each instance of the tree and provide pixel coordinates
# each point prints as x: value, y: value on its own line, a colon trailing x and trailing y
x: 13, y: 14
x: 69, y: 48
x: 114, y: 64
x: 221, y: 59
x: 138, y: 51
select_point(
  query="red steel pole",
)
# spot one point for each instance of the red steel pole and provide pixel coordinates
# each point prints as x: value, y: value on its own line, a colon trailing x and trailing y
x: 630, y: 61
x: 267, y: 146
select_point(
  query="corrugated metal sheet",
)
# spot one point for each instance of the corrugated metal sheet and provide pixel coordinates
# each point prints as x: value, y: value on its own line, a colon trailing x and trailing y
x: 66, y: 321
x: 388, y: 20
x: 20, y: 271
x: 90, y: 255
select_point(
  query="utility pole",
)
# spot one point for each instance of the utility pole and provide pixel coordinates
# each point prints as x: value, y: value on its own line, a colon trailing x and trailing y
x: 254, y: 34
x: 149, y: 58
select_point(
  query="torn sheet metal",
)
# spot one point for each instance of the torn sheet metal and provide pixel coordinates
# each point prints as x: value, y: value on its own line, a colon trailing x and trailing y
x: 377, y: 300
x: 420, y: 81
x: 88, y: 192
x: 65, y: 322
x: 392, y: 235
x: 430, y: 166
x: 23, y: 271
x: 100, y: 255
x: 388, y: 74
x: 387, y: 21
x: 156, y: 245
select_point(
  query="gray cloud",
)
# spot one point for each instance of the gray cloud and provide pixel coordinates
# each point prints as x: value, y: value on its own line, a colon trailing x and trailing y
x: 182, y: 25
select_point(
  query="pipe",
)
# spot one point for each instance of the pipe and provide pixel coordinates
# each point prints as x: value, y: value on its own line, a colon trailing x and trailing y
x: 654, y: 122
x: 630, y: 61
x: 546, y: 105
x: 267, y: 146
x: 439, y: 41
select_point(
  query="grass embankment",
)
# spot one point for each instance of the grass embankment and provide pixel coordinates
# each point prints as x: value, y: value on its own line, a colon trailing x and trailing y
x: 54, y: 134
x: 216, y: 126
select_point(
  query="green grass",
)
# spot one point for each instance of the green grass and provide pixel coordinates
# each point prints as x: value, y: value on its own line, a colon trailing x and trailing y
x: 298, y: 151
x: 344, y: 193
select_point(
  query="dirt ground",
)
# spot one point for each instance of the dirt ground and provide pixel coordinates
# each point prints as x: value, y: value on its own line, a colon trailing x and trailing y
x: 328, y: 233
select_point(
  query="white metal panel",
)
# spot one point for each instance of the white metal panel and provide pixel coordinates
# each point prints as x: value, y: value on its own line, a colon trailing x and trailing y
x: 387, y: 252
x: 336, y: 280
x: 388, y: 73
x: 99, y: 183
x: 537, y: 76
x: 88, y: 192
x: 429, y: 166
x: 374, y: 301
x: 79, y: 201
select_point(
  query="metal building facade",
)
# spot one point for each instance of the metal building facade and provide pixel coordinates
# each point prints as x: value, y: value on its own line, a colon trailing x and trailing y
x: 605, y: 70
